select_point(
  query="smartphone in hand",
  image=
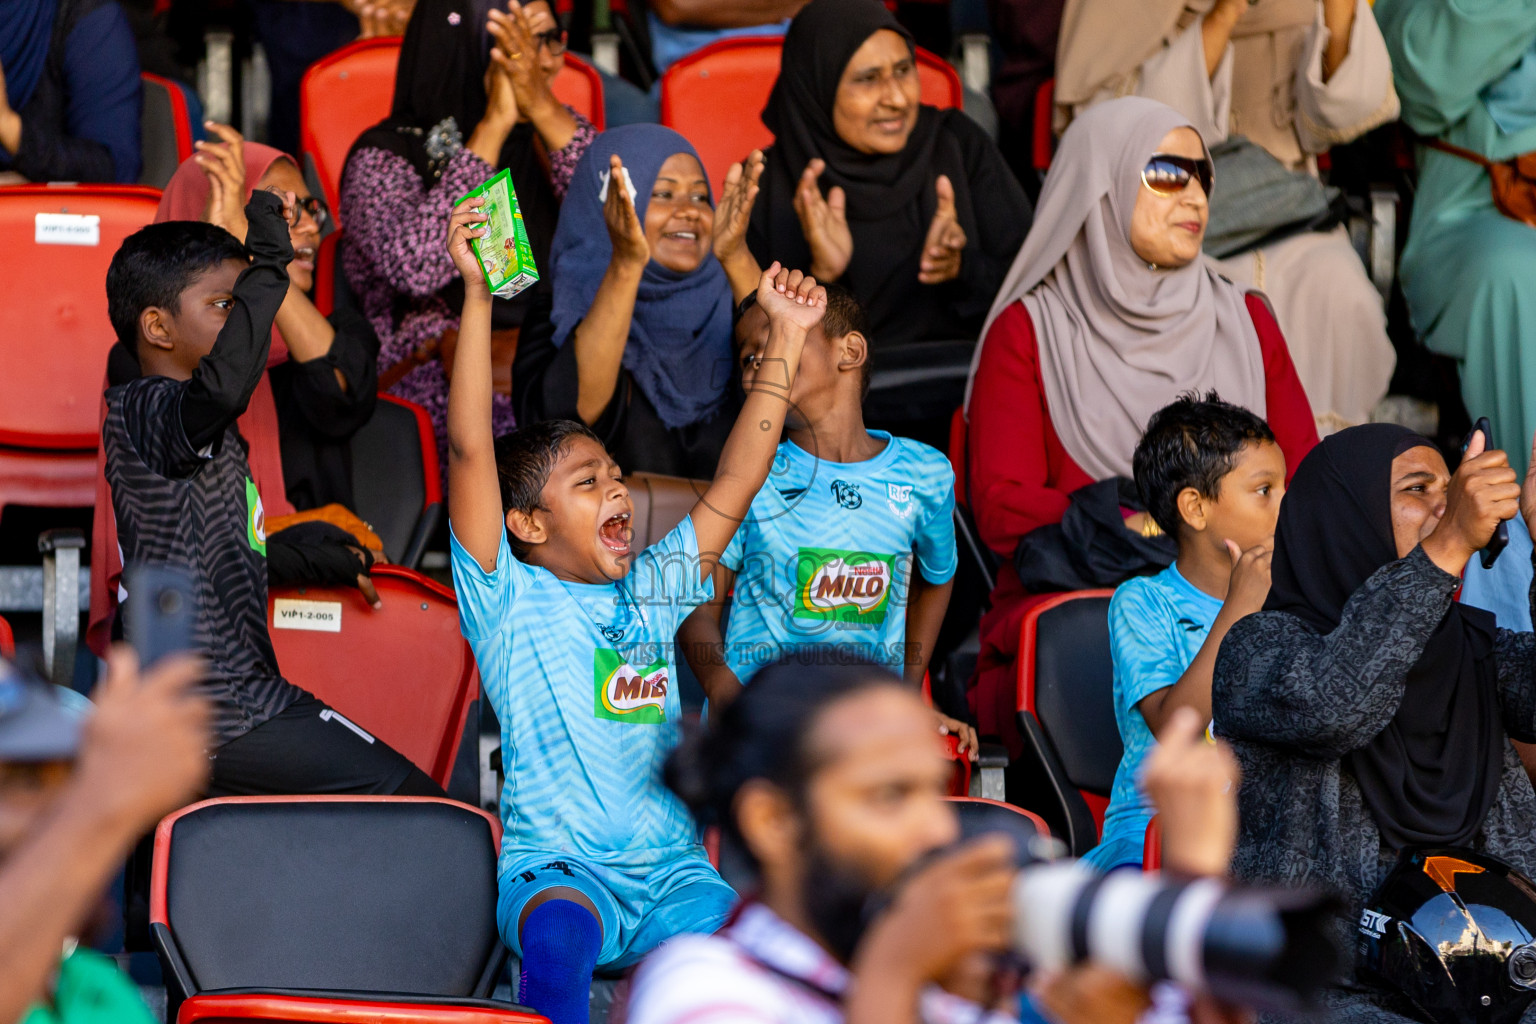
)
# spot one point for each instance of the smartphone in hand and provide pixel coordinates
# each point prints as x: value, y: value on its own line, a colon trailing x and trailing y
x: 159, y: 611
x: 1500, y: 539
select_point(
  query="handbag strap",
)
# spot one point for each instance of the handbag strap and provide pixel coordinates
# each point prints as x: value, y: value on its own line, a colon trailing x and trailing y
x: 1465, y: 154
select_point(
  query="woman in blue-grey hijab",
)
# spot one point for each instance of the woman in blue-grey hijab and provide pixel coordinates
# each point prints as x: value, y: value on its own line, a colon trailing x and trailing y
x: 637, y: 343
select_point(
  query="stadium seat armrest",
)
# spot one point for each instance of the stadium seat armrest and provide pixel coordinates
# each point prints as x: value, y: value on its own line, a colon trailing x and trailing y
x: 1082, y: 833
x: 178, y: 978
x: 431, y: 515
x: 987, y: 781
x: 61, y: 601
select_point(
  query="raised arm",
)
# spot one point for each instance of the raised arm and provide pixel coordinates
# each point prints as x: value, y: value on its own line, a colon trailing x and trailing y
x: 474, y: 496
x: 225, y: 378
x: 143, y: 754
x: 602, y: 334
x: 794, y: 303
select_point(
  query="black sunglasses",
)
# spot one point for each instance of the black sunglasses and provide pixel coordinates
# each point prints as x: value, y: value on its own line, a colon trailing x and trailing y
x: 1168, y: 175
x: 553, y: 41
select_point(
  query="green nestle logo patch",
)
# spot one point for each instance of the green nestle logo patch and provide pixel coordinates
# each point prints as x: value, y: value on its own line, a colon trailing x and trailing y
x: 255, y: 519
x: 843, y: 586
x: 623, y: 693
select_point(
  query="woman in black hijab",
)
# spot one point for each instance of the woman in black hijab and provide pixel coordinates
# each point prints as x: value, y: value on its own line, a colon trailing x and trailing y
x: 921, y: 216
x: 461, y: 112
x: 1370, y: 711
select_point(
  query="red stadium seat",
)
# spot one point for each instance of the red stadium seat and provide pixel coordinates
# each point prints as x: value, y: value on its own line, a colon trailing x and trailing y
x: 1152, y: 846
x: 402, y: 672
x: 960, y: 785
x: 330, y: 908
x: 1066, y: 706
x: 54, y: 333
x: 342, y: 95
x: 327, y: 266
x: 7, y: 640
x: 349, y: 91
x: 167, y: 129
x: 716, y: 96
x: 580, y: 87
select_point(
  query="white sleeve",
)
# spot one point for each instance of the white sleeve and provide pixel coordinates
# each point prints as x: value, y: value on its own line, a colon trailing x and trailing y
x: 702, y: 980
x: 1357, y: 98
x: 1175, y: 75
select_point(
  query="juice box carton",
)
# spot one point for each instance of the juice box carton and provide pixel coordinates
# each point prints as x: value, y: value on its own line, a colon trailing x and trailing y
x: 504, y: 253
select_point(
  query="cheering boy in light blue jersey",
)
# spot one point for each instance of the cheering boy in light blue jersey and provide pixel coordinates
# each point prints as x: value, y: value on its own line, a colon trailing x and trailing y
x: 851, y: 543
x: 599, y: 861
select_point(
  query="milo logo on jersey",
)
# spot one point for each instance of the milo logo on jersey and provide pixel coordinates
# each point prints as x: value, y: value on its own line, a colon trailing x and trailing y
x: 627, y: 694
x: 255, y: 519
x: 844, y: 586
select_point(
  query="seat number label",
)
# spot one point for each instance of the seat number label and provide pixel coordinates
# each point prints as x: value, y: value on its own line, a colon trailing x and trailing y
x: 319, y: 616
x: 67, y: 229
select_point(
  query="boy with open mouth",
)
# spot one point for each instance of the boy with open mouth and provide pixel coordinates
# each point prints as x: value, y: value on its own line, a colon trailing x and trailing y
x: 573, y: 629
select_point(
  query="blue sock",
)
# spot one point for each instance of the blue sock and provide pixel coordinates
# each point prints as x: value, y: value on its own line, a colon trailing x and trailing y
x: 560, y: 940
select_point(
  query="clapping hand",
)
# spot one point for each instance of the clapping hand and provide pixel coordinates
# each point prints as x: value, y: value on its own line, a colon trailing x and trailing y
x: 223, y: 163
x: 824, y: 221
x: 734, y: 212
x: 624, y: 230
x: 946, y: 238
x: 517, y: 52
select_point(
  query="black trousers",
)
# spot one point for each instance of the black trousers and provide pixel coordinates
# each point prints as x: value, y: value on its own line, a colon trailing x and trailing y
x: 306, y: 748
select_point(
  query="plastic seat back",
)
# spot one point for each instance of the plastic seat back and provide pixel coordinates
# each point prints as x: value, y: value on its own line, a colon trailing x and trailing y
x: 328, y: 894
x: 979, y: 816
x: 348, y: 92
x: 1066, y: 702
x: 396, y: 486
x: 7, y: 639
x: 402, y: 672
x: 54, y: 331
x: 716, y: 95
x: 167, y: 129
x: 580, y: 87
x: 341, y: 96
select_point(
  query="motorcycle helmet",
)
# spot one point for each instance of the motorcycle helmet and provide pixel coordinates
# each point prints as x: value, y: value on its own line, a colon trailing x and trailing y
x: 1454, y: 932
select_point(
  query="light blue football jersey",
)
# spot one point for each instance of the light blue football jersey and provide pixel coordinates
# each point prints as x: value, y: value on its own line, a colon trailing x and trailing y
x: 827, y: 553
x: 580, y: 677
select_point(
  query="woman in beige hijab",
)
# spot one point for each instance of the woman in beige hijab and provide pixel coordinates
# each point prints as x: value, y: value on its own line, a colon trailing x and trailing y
x: 1295, y: 77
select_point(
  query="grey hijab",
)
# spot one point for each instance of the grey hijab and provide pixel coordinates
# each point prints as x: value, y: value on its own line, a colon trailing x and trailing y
x: 1118, y: 340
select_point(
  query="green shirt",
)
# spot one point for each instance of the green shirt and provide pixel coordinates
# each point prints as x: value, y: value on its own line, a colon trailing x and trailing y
x: 91, y: 990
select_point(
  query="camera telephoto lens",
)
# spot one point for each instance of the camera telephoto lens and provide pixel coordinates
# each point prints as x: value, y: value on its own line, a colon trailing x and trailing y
x: 1267, y: 949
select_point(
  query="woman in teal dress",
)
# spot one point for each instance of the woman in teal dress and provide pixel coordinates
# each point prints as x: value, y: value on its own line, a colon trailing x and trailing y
x: 1466, y: 74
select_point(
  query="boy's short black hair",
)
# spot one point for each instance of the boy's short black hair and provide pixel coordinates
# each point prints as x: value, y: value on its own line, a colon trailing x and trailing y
x: 524, y: 459
x: 845, y: 315
x: 1191, y: 442
x: 155, y: 264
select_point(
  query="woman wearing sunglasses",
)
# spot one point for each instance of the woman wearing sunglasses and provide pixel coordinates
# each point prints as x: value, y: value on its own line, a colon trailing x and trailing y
x: 1293, y: 78
x: 1108, y: 313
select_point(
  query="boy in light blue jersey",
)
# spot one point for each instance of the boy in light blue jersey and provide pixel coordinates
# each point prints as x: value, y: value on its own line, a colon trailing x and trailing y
x: 851, y: 543
x: 1211, y: 475
x: 599, y: 861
